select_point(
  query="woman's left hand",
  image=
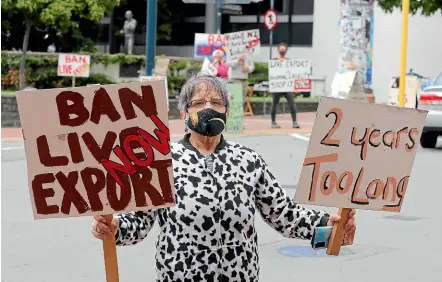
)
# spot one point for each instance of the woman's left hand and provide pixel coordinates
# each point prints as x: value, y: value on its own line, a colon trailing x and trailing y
x: 349, y: 228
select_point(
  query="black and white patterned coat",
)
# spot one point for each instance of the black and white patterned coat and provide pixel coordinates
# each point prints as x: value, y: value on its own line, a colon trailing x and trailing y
x: 210, y: 234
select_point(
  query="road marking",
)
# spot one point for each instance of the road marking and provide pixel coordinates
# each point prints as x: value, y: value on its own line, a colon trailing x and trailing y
x: 12, y: 148
x: 300, y: 137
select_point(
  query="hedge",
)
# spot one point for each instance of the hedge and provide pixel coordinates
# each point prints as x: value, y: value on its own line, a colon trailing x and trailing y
x: 41, y: 70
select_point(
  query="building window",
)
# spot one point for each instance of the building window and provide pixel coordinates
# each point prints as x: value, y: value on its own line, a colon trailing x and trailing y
x: 302, y: 34
x: 303, y: 7
x: 183, y: 33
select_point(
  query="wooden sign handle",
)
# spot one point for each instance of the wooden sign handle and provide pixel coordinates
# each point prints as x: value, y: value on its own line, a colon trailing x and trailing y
x: 110, y: 253
x: 337, y: 236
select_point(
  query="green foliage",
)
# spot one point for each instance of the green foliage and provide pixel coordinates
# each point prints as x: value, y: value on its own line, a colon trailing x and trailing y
x: 41, y: 70
x: 425, y: 7
x: 58, y: 13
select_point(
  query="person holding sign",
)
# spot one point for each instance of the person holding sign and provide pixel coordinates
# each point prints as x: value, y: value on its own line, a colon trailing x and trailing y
x: 210, y: 234
x: 282, y: 51
x: 240, y: 68
x: 219, y: 63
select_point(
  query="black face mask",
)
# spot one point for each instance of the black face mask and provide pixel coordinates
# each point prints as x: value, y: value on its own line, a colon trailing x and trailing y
x: 208, y: 122
x: 282, y: 53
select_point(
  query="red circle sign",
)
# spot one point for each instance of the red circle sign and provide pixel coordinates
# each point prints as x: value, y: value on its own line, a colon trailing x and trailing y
x: 270, y: 19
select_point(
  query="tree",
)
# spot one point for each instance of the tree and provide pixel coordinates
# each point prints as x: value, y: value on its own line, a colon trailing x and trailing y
x: 426, y: 7
x: 58, y: 14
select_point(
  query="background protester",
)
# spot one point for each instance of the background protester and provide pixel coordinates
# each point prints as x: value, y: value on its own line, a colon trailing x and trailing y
x: 290, y: 96
x: 220, y: 64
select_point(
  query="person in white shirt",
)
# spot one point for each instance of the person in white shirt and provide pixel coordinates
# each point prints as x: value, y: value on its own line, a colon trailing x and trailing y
x: 239, y: 72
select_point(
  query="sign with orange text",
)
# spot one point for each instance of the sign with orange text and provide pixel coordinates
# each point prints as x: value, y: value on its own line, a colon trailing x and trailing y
x: 360, y: 155
x: 97, y: 149
x: 73, y: 65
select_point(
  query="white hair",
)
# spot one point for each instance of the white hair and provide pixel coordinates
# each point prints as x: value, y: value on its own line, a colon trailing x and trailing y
x: 196, y: 81
x: 218, y: 52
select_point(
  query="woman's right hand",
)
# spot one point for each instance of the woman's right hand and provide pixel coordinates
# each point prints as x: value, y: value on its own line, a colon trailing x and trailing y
x: 100, y: 230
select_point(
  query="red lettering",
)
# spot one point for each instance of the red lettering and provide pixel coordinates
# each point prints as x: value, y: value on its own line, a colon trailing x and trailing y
x: 40, y: 194
x: 163, y: 135
x: 76, y: 108
x: 133, y: 146
x: 105, y: 150
x: 75, y: 148
x: 316, y: 162
x: 93, y: 188
x: 45, y: 156
x: 102, y: 105
x: 71, y: 195
x: 118, y: 203
x: 112, y: 166
x: 147, y: 148
x: 146, y: 102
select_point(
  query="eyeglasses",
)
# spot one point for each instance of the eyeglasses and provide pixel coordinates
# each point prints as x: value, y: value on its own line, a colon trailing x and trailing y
x: 201, y: 103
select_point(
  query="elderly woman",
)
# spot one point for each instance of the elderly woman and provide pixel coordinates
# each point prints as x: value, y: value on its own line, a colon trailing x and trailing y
x: 210, y: 235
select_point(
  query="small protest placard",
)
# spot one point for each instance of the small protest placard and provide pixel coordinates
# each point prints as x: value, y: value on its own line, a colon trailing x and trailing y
x: 283, y: 73
x: 411, y: 88
x: 242, y: 43
x: 206, y: 43
x: 348, y: 85
x: 360, y: 155
x: 73, y: 65
x: 97, y: 149
x: 235, y: 122
x: 209, y: 68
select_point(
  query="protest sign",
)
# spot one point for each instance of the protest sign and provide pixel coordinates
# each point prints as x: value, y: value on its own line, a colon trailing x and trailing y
x: 73, y: 65
x: 208, y: 68
x: 357, y: 160
x: 162, y: 78
x: 102, y: 149
x: 235, y: 122
x: 206, y: 43
x: 242, y: 43
x: 411, y: 88
x: 348, y: 85
x: 162, y: 66
x: 283, y: 73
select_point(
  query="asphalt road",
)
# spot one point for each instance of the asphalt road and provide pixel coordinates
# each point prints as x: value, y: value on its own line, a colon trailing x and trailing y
x: 404, y: 248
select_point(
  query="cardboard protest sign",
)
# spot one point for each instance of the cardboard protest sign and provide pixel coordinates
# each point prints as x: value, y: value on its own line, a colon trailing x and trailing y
x: 162, y: 78
x: 348, y: 85
x: 235, y: 122
x: 162, y: 66
x: 411, y: 88
x: 242, y: 43
x: 206, y: 43
x: 97, y: 149
x: 209, y: 68
x: 73, y: 65
x: 283, y: 73
x: 360, y: 155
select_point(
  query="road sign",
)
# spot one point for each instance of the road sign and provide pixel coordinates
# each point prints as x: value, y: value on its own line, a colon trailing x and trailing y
x: 270, y: 19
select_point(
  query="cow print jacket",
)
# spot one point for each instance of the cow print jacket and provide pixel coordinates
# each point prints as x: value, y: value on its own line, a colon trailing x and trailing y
x: 209, y: 235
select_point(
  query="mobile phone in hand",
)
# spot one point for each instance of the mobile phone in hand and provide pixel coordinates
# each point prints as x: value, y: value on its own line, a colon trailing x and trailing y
x: 321, y: 237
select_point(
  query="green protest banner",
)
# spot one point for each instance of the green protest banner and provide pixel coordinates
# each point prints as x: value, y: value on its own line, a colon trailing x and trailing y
x: 235, y: 122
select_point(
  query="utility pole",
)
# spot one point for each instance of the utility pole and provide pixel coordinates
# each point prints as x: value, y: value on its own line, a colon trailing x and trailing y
x: 219, y: 15
x: 356, y: 29
x: 151, y: 35
x: 272, y: 6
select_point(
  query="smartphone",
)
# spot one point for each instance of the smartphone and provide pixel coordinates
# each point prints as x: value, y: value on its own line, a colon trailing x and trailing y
x: 321, y: 237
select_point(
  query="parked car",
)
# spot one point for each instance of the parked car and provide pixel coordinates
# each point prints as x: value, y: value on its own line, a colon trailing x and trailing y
x: 430, y: 99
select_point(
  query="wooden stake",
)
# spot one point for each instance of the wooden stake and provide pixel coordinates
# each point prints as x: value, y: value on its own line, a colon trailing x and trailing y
x: 73, y: 81
x: 110, y: 254
x: 337, y: 236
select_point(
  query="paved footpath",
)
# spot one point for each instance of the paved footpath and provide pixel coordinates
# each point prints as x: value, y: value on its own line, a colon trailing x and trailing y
x: 254, y: 125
